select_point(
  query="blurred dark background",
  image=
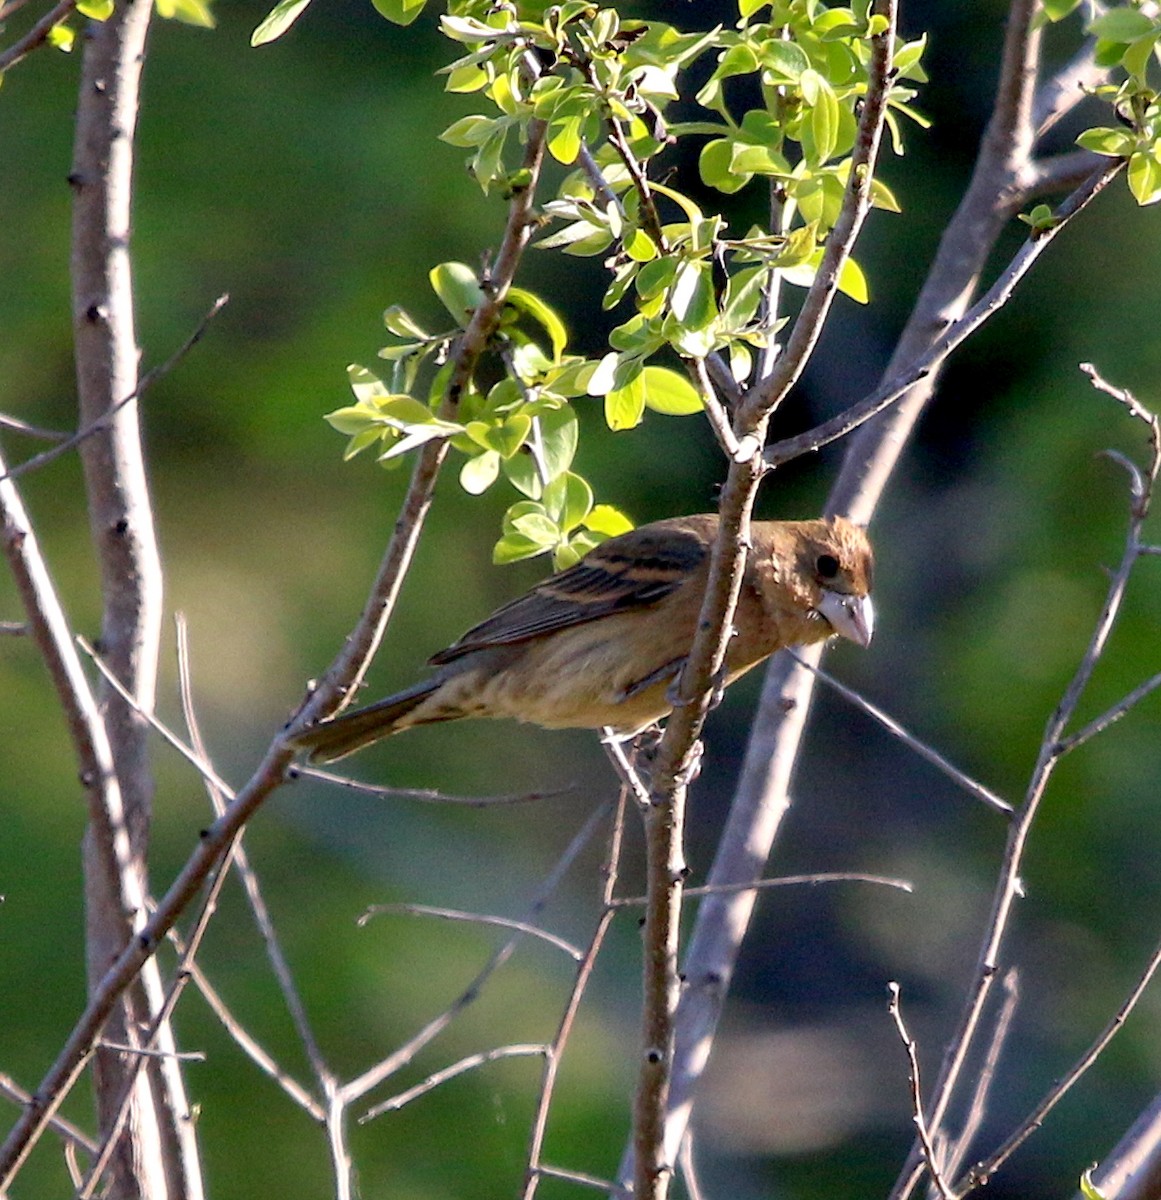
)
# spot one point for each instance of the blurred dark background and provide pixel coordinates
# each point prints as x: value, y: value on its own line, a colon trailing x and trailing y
x: 306, y: 180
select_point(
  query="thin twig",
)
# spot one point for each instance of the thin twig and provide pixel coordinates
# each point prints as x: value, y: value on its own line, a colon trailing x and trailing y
x: 66, y: 1129
x: 1109, y: 716
x: 584, y: 971
x: 812, y: 880
x: 249, y: 877
x: 249, y: 1045
x: 474, y: 918
x: 36, y: 36
x: 956, y: 1149
x: 105, y: 418
x: 715, y: 412
x: 926, y: 752
x: 688, y: 1168
x: 427, y: 795
x: 581, y: 1177
x: 403, y: 1055
x: 916, y: 1093
x: 626, y: 768
x: 956, y: 333
x: 470, y: 1063
x: 983, y: 1171
x: 33, y: 431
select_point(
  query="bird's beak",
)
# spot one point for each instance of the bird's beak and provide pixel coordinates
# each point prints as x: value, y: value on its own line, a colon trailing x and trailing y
x: 852, y: 617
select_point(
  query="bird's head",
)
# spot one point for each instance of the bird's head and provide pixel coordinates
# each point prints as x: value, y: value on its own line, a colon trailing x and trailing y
x: 833, y: 568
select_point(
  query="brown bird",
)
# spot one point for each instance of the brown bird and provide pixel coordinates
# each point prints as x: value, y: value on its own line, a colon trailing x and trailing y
x: 602, y: 643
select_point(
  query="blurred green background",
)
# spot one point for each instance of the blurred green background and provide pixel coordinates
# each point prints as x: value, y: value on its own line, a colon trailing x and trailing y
x: 306, y: 179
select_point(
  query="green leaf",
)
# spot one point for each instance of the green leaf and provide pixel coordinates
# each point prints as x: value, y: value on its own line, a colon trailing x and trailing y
x: 399, y: 12
x: 528, y: 302
x: 1112, y: 143
x: 62, y: 37
x: 469, y: 131
x: 670, y: 393
x: 784, y: 60
x: 559, y: 433
x: 1057, y: 10
x: 95, y: 10
x: 537, y: 527
x: 1088, y: 1189
x: 514, y: 547
x: 625, y: 406
x: 188, y: 12
x: 909, y: 54
x: 401, y: 324
x: 1145, y: 178
x: 479, y: 473
x: 608, y: 520
x: 353, y: 419
x: 654, y: 277
x: 824, y: 120
x: 691, y: 298
x: 568, y: 500
x: 1121, y: 25
x: 365, y: 384
x: 602, y: 379
x: 717, y: 168
x: 466, y: 79
x: 564, y: 138
x: 456, y: 285
x: 406, y: 411
x: 852, y: 282
x: 743, y: 295
x: 278, y: 21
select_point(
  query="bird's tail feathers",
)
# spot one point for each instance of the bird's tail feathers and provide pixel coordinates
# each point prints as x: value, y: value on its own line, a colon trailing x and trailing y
x: 331, y: 740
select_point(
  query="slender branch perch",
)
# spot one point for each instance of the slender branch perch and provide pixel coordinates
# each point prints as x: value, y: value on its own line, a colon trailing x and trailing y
x: 657, y: 1131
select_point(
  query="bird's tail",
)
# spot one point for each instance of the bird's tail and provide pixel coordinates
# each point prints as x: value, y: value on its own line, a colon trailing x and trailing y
x: 331, y: 740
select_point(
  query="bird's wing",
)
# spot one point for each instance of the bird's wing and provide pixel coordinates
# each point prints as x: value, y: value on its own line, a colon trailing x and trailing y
x: 629, y: 571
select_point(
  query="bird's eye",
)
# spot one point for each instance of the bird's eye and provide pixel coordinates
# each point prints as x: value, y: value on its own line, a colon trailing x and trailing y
x: 827, y: 566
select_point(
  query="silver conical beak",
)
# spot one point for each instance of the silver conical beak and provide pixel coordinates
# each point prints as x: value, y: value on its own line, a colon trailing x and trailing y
x: 852, y: 617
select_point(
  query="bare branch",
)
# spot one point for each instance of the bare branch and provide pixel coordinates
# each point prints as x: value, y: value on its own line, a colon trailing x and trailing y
x: 400, y: 1057
x: 455, y: 914
x: 983, y: 1171
x: 264, y: 922
x: 470, y: 1063
x: 339, y: 681
x: 103, y: 419
x: 916, y: 1094
x: 425, y: 795
x: 1008, y: 887
x: 552, y: 1058
x: 249, y: 1045
x: 36, y: 36
x: 955, y: 1150
x: 659, y: 1126
x: 812, y: 880
x: 66, y: 1129
x: 923, y: 367
x: 922, y: 749
x: 33, y: 431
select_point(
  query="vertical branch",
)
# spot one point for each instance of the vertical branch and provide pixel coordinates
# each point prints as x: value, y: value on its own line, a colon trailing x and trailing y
x: 676, y: 758
x: 762, y: 797
x: 163, y: 1162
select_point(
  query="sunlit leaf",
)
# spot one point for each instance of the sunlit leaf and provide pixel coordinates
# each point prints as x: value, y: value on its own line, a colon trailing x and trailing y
x: 670, y: 393
x: 278, y: 21
x: 455, y: 283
